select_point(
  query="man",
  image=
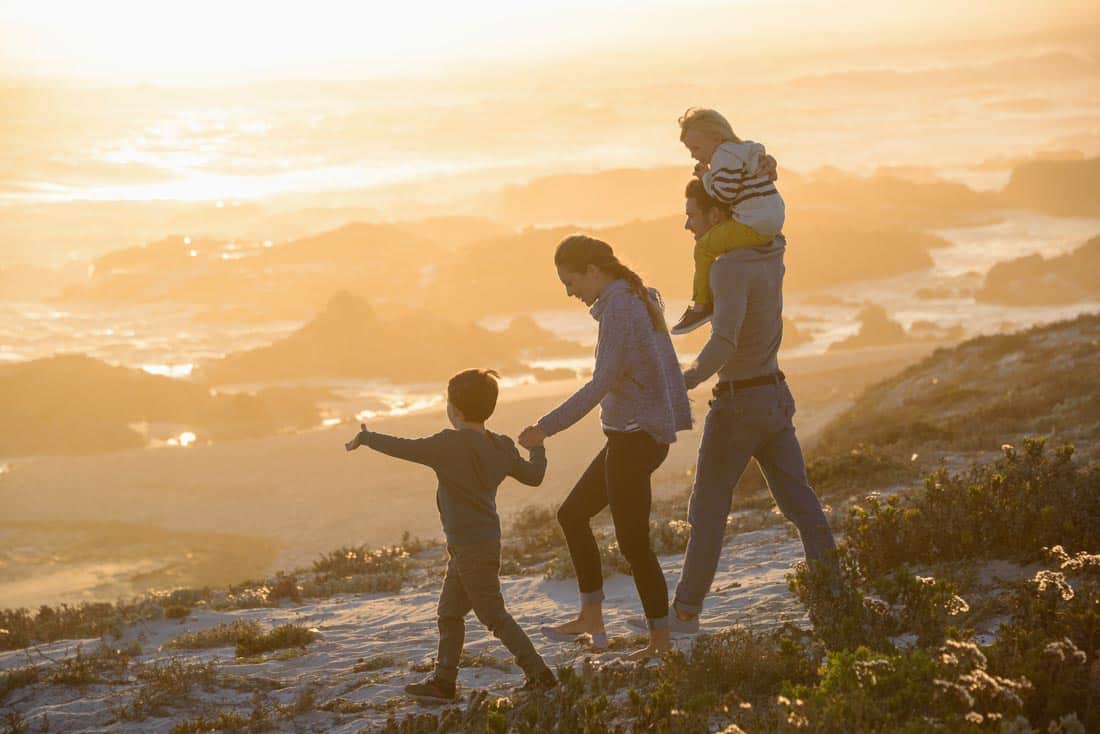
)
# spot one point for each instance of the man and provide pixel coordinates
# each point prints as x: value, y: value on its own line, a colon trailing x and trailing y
x: 750, y: 415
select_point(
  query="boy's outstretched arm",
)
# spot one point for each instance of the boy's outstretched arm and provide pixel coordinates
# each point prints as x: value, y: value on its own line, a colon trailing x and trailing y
x: 419, y: 450
x: 530, y: 471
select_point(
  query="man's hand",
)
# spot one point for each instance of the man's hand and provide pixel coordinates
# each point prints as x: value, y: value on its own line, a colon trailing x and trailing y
x: 531, y: 437
x: 700, y: 169
x: 355, y: 443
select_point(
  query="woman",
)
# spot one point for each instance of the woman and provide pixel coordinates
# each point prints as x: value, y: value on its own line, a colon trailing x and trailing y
x: 638, y: 384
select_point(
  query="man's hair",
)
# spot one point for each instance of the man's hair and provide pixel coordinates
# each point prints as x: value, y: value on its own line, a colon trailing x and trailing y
x: 696, y: 191
x: 474, y: 392
x: 707, y: 121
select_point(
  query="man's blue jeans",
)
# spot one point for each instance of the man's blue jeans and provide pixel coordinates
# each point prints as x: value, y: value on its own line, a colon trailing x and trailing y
x: 744, y: 424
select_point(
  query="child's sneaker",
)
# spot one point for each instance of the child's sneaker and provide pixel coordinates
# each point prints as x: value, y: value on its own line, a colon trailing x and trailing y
x: 431, y: 690
x: 544, y: 681
x: 693, y: 319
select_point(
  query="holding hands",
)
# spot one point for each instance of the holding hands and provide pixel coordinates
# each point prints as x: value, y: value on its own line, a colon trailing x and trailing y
x: 355, y: 442
x: 531, y: 437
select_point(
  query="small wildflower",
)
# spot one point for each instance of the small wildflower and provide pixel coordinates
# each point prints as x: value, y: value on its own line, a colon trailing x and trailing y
x: 1078, y: 562
x: 1056, y: 580
x: 974, y: 717
x: 869, y: 670
x: 957, y: 605
x: 1064, y: 649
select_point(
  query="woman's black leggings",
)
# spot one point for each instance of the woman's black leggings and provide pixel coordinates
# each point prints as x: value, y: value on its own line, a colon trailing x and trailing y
x: 619, y: 476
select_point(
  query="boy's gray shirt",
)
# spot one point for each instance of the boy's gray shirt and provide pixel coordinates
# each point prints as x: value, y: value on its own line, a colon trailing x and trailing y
x: 747, y: 326
x: 637, y: 377
x: 470, y: 466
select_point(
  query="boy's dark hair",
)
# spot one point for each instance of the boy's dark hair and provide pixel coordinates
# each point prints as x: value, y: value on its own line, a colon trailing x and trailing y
x: 695, y: 190
x: 474, y: 392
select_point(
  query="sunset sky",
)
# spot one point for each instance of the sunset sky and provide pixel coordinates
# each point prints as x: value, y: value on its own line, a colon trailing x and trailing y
x: 214, y: 41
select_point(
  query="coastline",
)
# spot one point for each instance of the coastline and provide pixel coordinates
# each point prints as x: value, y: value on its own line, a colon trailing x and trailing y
x: 277, y: 503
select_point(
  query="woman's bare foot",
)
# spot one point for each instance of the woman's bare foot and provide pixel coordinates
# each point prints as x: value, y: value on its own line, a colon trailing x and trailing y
x: 660, y: 643
x: 588, y: 622
x: 581, y: 626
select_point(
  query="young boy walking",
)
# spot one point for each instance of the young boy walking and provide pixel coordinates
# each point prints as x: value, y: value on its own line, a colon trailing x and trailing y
x: 470, y: 463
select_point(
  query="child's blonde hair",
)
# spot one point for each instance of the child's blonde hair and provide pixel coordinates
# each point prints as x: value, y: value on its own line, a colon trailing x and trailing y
x: 708, y: 121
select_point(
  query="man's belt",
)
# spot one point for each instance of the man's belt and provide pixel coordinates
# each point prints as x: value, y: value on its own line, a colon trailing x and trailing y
x: 729, y: 386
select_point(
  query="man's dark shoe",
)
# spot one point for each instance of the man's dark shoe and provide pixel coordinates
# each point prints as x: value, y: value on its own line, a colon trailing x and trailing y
x: 693, y: 319
x: 431, y: 690
x: 544, y: 681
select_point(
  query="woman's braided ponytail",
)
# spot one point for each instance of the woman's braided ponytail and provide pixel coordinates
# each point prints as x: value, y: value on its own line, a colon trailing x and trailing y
x: 579, y: 251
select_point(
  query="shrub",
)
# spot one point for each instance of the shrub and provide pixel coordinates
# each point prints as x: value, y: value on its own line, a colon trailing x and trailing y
x: 224, y: 721
x: 223, y: 635
x: 20, y: 627
x: 842, y: 475
x: 82, y: 669
x: 848, y: 609
x: 167, y: 684
x: 1009, y: 509
x: 177, y: 611
x: 284, y: 636
x: 378, y: 662
x: 15, y: 678
x: 1053, y: 638
x: 386, y: 567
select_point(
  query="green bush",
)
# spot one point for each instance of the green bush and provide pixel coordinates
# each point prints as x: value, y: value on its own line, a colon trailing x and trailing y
x: 1009, y: 510
x: 223, y: 635
x: 15, y: 678
x: 165, y: 685
x: 284, y: 636
x: 858, y: 471
x: 384, y: 569
x: 20, y: 628
x: 81, y: 669
x: 1053, y: 639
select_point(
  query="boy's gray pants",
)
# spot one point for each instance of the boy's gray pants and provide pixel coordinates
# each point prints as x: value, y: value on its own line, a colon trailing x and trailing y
x: 473, y: 582
x: 744, y: 424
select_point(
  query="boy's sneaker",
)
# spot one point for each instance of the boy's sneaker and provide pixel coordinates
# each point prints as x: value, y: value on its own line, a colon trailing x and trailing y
x: 431, y: 690
x: 676, y: 626
x: 693, y: 319
x: 544, y: 681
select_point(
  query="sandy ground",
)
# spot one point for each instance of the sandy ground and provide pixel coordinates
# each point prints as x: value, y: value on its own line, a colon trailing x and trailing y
x: 749, y: 589
x: 287, y: 499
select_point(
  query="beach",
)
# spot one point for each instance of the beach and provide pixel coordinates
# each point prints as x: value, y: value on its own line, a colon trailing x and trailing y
x: 100, y: 528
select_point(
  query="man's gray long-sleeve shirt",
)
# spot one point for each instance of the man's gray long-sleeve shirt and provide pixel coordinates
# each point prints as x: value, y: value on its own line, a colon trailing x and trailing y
x: 470, y: 466
x: 747, y: 326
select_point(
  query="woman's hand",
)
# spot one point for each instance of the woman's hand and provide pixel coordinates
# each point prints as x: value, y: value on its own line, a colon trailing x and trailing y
x: 355, y: 443
x: 531, y: 437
